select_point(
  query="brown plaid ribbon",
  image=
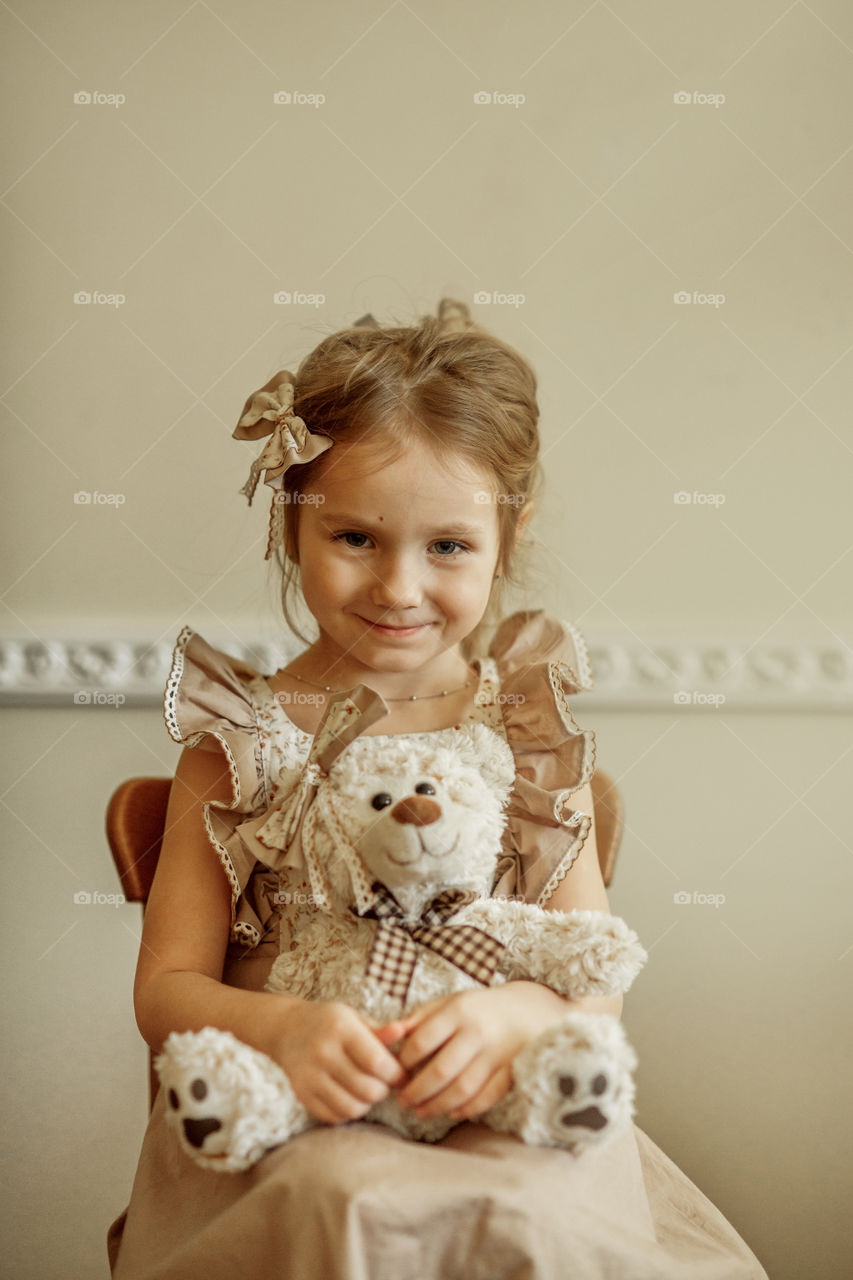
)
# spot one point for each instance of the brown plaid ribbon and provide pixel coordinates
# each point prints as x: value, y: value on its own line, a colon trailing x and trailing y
x: 394, y: 952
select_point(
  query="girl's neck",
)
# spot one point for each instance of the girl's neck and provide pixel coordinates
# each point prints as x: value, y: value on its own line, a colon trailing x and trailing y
x: 304, y: 705
x: 448, y: 673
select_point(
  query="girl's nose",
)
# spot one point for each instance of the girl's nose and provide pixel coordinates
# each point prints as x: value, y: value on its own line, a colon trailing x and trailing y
x: 397, y: 585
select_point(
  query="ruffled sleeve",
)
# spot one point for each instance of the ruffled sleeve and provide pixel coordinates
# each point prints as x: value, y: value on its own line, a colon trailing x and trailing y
x: 541, y: 663
x: 207, y: 705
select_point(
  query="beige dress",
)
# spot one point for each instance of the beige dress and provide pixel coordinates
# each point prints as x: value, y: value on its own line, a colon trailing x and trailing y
x: 358, y: 1201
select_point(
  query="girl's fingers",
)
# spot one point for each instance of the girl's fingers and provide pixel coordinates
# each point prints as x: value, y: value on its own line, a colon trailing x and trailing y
x: 361, y: 1085
x: 495, y: 1088
x: 368, y: 1055
x: 390, y: 1033
x: 441, y: 1072
x: 429, y: 1036
x: 345, y: 1091
x: 333, y: 1105
x: 458, y: 1092
x: 404, y: 1026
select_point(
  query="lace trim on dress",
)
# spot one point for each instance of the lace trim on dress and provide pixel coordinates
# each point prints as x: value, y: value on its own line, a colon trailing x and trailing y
x: 171, y: 717
x: 542, y: 660
x: 228, y: 868
x: 564, y: 866
x: 585, y: 679
x: 240, y: 930
x: 582, y: 821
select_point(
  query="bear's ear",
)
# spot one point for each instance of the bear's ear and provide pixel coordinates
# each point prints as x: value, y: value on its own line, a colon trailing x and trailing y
x: 491, y: 757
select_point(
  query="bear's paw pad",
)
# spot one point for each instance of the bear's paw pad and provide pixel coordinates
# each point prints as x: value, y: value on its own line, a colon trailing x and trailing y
x: 583, y: 1106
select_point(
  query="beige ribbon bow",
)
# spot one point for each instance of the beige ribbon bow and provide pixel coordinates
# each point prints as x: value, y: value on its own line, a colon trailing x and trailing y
x: 348, y: 713
x: 394, y: 952
x: 269, y: 412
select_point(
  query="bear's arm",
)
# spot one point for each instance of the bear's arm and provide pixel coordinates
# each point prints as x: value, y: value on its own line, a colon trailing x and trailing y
x: 575, y: 953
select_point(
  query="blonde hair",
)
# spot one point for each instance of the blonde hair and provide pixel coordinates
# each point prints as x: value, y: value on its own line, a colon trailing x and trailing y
x: 444, y: 380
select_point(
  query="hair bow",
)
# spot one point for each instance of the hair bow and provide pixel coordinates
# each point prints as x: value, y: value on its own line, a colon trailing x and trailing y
x: 269, y: 412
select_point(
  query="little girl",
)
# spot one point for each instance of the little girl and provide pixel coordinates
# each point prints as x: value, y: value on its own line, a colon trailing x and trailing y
x: 403, y: 464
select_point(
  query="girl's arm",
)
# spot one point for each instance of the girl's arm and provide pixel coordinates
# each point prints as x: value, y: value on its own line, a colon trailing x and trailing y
x: 337, y: 1066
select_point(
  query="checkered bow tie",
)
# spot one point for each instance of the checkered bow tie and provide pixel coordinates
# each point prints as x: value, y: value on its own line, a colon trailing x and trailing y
x: 394, y: 952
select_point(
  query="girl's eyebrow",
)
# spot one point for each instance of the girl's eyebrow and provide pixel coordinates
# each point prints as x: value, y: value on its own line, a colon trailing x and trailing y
x: 447, y: 526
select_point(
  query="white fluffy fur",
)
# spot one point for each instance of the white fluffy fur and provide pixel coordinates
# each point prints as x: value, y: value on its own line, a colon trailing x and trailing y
x: 571, y: 1086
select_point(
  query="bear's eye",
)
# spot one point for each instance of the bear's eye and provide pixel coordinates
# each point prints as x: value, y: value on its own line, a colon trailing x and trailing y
x: 425, y: 789
x: 381, y: 800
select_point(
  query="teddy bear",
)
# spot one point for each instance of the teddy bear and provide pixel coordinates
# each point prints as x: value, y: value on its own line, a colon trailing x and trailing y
x: 401, y: 838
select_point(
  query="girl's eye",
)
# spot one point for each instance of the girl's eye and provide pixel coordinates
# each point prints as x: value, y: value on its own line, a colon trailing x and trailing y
x: 448, y: 543
x: 339, y: 537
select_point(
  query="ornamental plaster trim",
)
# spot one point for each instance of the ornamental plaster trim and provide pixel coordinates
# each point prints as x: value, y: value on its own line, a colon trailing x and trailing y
x: 667, y: 675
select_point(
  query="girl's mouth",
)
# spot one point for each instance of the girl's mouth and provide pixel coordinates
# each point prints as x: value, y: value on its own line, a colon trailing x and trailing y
x: 385, y: 630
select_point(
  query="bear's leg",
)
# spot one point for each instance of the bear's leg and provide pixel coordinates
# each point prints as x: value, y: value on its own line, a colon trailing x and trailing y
x: 227, y: 1103
x: 572, y: 1085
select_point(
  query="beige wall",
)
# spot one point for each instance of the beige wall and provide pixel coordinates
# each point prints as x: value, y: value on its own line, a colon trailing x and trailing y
x: 597, y: 198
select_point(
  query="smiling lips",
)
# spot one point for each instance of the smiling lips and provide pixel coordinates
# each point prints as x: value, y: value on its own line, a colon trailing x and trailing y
x: 408, y: 629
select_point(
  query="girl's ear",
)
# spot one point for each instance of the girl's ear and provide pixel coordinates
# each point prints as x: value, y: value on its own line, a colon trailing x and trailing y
x: 526, y: 513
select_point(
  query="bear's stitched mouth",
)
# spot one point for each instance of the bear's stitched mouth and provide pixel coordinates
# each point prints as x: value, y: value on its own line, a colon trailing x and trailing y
x: 407, y: 862
x: 445, y: 853
x: 590, y: 1118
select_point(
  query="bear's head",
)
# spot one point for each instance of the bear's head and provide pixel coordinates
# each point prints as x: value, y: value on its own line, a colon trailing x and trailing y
x: 420, y: 813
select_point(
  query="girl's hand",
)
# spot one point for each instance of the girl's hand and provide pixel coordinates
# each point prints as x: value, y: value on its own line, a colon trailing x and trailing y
x: 337, y: 1064
x: 473, y: 1037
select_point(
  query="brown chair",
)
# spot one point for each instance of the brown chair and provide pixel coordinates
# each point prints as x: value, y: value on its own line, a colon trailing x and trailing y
x: 136, y: 819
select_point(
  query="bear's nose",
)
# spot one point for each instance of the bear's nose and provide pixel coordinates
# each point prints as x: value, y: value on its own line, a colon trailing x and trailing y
x: 420, y: 811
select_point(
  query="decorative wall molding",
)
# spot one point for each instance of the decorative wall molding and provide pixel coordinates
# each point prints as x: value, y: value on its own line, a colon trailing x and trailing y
x: 665, y: 675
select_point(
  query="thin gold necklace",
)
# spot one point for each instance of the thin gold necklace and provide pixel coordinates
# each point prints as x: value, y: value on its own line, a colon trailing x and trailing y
x: 414, y: 697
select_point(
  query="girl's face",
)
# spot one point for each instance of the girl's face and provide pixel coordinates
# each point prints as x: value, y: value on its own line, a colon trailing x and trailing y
x: 397, y: 558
